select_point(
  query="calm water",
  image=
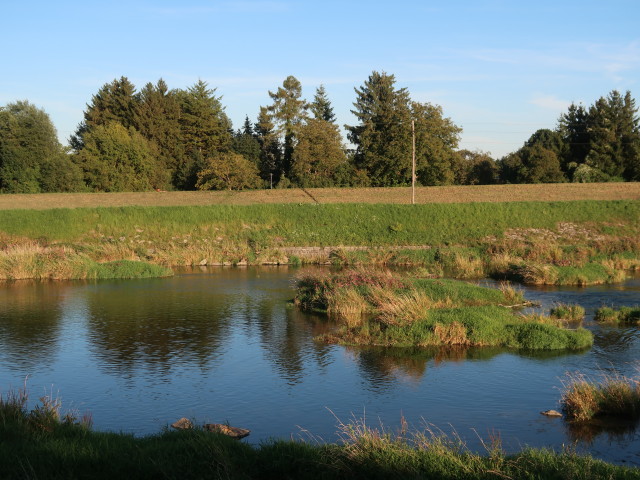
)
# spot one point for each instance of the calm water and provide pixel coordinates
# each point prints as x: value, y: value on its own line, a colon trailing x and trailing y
x: 222, y: 346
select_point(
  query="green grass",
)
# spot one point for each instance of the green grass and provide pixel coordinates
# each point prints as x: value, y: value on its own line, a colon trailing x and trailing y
x: 578, y: 242
x: 332, y: 224
x: 570, y: 313
x: 43, y: 444
x: 373, y: 307
x: 624, y: 315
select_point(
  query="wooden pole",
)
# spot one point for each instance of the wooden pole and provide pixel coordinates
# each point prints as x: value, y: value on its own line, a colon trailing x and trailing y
x: 413, y: 163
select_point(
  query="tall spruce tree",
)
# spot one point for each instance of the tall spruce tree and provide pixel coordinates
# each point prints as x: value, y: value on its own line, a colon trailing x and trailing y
x: 321, y: 106
x: 205, y: 131
x: 383, y: 134
x: 270, y: 165
x: 245, y: 142
x: 157, y: 120
x: 573, y: 126
x: 114, y: 102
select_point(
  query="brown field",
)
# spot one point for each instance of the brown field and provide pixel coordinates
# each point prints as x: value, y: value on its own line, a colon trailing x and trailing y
x: 399, y: 195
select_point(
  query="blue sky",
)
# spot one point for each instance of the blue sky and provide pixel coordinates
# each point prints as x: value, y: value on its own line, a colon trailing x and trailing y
x: 499, y: 69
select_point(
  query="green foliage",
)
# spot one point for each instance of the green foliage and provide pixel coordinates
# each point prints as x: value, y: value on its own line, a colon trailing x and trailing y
x: 287, y: 114
x: 532, y: 164
x: 245, y: 142
x: 31, y: 158
x: 158, y: 120
x: 624, y: 315
x: 436, y: 141
x: 228, y: 171
x: 383, y: 134
x: 318, y: 155
x: 474, y: 168
x: 321, y: 106
x: 571, y: 313
x: 116, y: 159
x: 114, y: 102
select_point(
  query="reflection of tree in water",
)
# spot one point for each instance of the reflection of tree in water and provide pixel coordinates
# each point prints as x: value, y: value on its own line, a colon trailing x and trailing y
x: 287, y: 337
x: 160, y: 328
x: 615, y: 429
x: 30, y: 315
x: 381, y: 366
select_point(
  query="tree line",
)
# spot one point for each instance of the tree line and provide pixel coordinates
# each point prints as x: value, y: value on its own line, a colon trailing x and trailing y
x: 182, y: 139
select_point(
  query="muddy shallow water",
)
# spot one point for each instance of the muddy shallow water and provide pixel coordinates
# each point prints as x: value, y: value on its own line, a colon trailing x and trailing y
x: 222, y: 345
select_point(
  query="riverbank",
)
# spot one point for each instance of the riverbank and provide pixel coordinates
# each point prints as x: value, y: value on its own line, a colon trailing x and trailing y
x: 556, y: 243
x: 43, y: 444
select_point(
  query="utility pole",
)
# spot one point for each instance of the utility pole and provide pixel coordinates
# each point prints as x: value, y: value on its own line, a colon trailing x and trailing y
x: 413, y: 163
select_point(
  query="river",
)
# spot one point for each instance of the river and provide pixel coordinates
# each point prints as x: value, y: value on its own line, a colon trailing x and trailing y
x: 223, y: 345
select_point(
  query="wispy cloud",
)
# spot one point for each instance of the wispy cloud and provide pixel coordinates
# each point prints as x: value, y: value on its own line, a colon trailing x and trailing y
x: 549, y: 102
x: 611, y: 60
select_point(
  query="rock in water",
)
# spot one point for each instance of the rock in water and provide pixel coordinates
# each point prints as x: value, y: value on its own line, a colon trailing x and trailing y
x: 182, y: 424
x: 233, y: 432
x: 551, y: 413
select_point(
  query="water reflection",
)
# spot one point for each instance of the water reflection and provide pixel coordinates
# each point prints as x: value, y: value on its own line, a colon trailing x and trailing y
x: 613, y: 429
x: 30, y: 314
x: 382, y: 366
x: 224, y: 345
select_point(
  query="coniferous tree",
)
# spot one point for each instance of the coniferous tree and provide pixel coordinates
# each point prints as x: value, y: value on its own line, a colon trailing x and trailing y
x: 573, y: 127
x: 245, y: 142
x: 383, y: 134
x: 114, y: 102
x: 321, y: 106
x: 270, y: 166
x: 205, y: 131
x: 287, y: 113
x: 158, y: 121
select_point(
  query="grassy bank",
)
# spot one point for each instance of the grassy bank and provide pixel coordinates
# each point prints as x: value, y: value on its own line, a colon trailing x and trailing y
x: 381, y: 308
x: 578, y: 242
x: 42, y: 444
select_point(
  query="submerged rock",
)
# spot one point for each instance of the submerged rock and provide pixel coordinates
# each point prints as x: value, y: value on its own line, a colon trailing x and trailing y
x: 233, y: 432
x: 551, y: 413
x: 182, y: 424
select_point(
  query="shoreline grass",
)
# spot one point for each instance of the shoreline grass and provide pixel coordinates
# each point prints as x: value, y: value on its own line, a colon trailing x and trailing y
x: 379, y: 308
x: 42, y: 443
x: 613, y: 396
x: 564, y: 243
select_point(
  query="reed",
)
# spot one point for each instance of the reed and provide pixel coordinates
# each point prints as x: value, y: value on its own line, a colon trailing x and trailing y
x: 584, y: 399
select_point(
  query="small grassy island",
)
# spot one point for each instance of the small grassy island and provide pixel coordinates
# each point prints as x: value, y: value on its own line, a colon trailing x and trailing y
x: 622, y: 315
x: 381, y: 308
